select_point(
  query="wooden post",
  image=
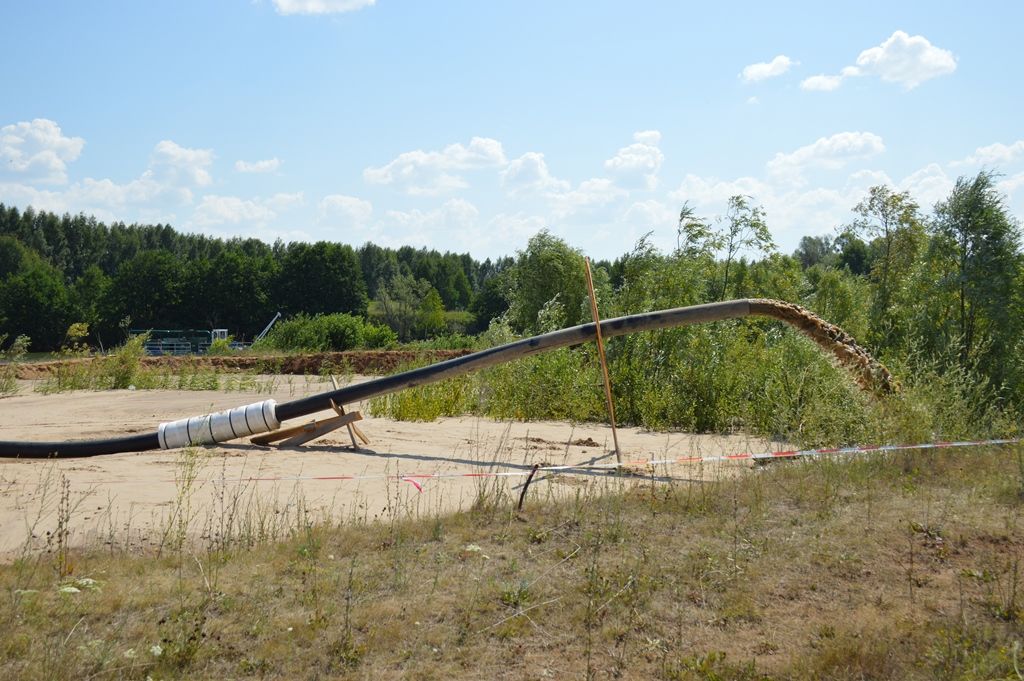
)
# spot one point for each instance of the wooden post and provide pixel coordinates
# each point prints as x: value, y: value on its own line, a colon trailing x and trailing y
x: 604, y: 362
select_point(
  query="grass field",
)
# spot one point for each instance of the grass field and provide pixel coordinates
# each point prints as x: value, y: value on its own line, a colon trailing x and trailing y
x: 882, y: 567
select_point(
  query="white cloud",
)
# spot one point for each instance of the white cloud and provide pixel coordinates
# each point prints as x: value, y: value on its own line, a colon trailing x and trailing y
x: 776, y: 67
x: 349, y: 209
x: 821, y: 83
x: 830, y: 153
x: 650, y: 214
x: 320, y: 6
x: 429, y: 173
x: 529, y: 174
x: 597, y: 191
x: 994, y: 154
x: 510, y: 229
x: 219, y: 210
x: 639, y: 161
x: 652, y: 137
x: 176, y: 162
x: 703, y: 191
x: 283, y: 201
x: 38, y: 151
x: 753, y: 100
x: 454, y: 213
x: 902, y: 58
x: 1011, y: 184
x: 928, y: 185
x: 907, y: 60
x: 266, y: 166
x: 453, y: 220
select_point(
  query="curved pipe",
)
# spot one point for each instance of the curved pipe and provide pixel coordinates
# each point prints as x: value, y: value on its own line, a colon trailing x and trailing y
x: 868, y: 372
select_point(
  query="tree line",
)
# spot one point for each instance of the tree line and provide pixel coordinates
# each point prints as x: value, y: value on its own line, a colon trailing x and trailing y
x: 58, y: 270
x: 938, y: 287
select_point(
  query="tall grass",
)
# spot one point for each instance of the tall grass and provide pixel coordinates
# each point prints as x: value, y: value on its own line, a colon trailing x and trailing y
x: 724, y: 580
x: 750, y: 376
x: 9, y: 359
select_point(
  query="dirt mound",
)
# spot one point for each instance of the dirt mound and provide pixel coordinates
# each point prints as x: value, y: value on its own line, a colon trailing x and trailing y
x: 355, y: 361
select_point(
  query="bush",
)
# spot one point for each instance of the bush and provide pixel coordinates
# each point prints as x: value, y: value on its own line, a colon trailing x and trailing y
x: 326, y: 332
x: 221, y: 346
x: 379, y: 336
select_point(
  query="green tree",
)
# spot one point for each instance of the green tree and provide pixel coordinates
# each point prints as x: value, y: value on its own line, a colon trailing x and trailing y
x: 430, y: 317
x: 979, y: 244
x: 34, y: 302
x: 320, y: 278
x: 400, y: 302
x: 148, y: 290
x: 491, y: 301
x: 892, y: 222
x: 744, y: 229
x: 546, y: 269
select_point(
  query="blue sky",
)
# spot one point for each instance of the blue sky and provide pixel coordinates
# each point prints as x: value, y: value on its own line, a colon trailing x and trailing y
x: 469, y: 126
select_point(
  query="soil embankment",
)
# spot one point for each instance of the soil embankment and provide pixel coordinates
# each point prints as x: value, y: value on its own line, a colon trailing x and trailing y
x: 352, y: 361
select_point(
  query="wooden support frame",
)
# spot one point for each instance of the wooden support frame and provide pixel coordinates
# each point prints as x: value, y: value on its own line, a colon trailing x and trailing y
x: 300, y: 435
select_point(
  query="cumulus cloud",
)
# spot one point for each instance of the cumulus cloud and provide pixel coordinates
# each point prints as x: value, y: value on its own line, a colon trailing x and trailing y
x: 38, y: 150
x: 320, y: 6
x: 349, y: 210
x: 179, y: 163
x: 220, y: 210
x: 266, y: 166
x: 283, y: 200
x: 830, y: 153
x: 703, y: 191
x: 929, y: 185
x: 650, y: 214
x: 994, y: 155
x: 638, y: 163
x: 902, y: 58
x: 529, y: 174
x: 1012, y: 184
x: 595, y: 192
x: 821, y: 83
x: 429, y: 173
x: 761, y: 71
x: 907, y: 60
x: 452, y: 220
x: 216, y: 210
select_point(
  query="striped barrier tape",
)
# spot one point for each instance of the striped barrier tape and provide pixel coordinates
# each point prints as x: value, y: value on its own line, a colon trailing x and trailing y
x: 415, y: 478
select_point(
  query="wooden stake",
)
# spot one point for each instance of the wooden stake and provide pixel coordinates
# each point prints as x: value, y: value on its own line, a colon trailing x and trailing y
x: 604, y: 362
x: 353, y: 429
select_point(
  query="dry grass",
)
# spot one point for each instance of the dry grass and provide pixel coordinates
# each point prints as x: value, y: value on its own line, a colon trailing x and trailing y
x: 902, y: 567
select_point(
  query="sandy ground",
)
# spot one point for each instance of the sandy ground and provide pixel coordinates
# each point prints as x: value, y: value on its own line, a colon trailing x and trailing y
x: 233, y: 491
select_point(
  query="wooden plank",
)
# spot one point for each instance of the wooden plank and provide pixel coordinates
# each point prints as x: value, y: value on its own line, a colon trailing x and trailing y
x: 358, y: 432
x: 312, y: 427
x: 322, y: 428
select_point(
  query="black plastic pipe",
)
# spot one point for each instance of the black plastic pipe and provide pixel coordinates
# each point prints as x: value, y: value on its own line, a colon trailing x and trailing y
x: 620, y: 326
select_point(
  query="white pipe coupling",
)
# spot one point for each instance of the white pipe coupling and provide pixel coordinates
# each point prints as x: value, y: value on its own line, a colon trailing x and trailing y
x: 227, y: 425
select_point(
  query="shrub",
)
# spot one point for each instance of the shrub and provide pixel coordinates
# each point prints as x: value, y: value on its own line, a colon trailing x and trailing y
x: 379, y: 336
x: 320, y: 333
x: 221, y: 346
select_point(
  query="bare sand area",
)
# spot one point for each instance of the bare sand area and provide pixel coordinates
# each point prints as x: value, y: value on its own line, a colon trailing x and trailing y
x: 241, y: 492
